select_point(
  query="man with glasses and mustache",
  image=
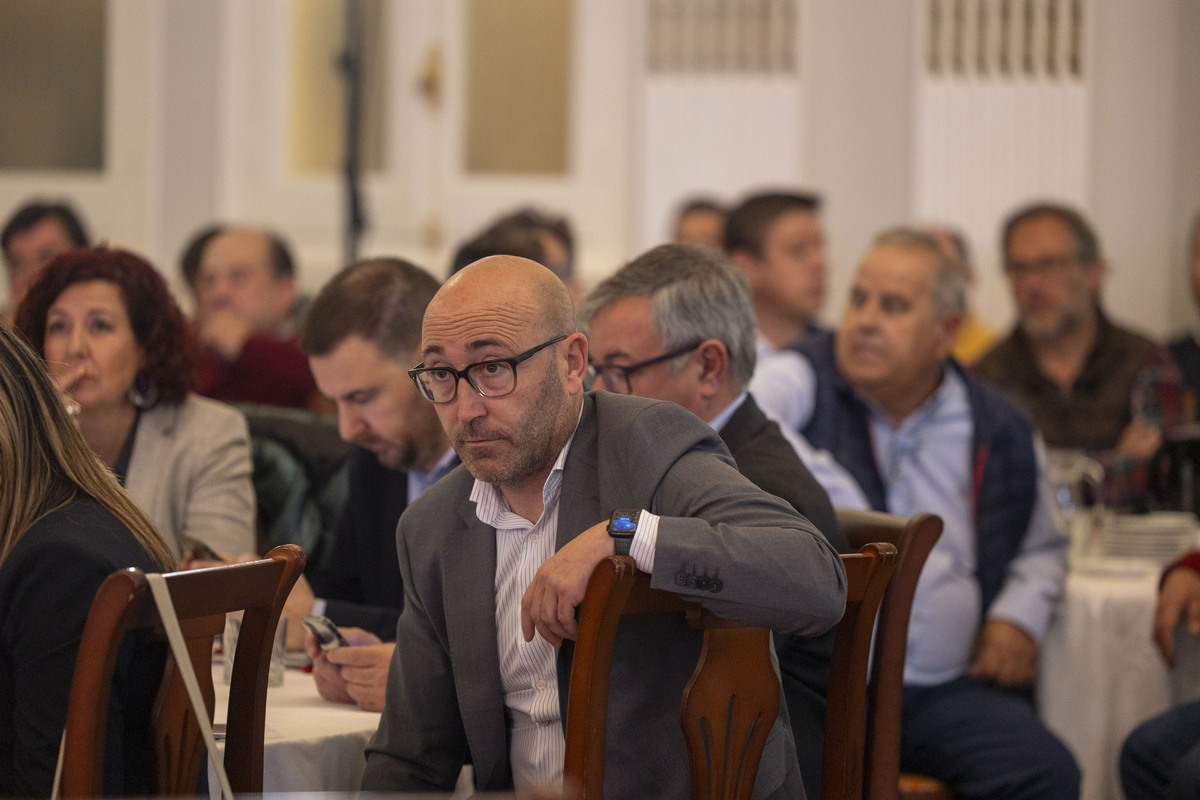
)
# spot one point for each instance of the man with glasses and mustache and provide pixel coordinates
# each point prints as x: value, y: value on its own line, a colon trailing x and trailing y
x: 497, y: 555
x: 1090, y: 384
x: 677, y: 323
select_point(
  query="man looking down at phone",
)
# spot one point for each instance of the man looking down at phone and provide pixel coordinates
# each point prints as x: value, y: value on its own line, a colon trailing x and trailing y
x: 496, y: 557
x: 361, y: 334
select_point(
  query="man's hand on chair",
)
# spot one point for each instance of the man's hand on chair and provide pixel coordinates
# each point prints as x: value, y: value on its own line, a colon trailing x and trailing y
x: 548, y: 605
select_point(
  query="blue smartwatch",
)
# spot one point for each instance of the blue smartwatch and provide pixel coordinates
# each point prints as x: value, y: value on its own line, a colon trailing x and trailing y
x: 622, y: 525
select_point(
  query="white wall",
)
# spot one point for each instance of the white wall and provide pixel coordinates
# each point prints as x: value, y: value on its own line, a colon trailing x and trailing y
x: 1135, y: 155
x: 862, y: 54
x: 197, y: 101
x: 1185, y: 197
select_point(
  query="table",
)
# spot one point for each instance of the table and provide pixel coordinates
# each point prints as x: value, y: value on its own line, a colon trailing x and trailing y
x: 311, y: 744
x: 1101, y: 673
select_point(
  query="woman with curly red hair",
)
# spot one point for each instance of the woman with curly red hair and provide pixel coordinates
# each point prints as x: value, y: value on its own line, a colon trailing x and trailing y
x: 117, y: 345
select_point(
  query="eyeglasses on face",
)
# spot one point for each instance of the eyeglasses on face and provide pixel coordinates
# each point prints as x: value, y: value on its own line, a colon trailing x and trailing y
x: 1047, y: 265
x: 616, y: 376
x: 495, y: 377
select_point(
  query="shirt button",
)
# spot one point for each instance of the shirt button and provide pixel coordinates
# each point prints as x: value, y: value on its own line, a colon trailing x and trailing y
x: 541, y: 683
x: 537, y: 537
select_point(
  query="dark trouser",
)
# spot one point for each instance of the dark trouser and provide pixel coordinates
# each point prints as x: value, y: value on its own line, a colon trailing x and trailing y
x: 984, y: 742
x: 1161, y: 757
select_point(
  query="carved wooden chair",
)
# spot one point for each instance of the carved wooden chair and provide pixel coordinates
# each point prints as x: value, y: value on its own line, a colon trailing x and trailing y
x: 914, y: 538
x: 201, y: 599
x: 868, y: 574
x: 733, y: 696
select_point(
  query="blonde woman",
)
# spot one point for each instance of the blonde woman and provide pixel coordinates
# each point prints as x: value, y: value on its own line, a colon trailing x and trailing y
x: 65, y: 524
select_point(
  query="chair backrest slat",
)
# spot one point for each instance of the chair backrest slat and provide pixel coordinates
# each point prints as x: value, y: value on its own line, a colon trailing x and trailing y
x: 914, y: 537
x: 201, y: 598
x: 733, y: 692
x: 868, y: 573
x: 733, y: 697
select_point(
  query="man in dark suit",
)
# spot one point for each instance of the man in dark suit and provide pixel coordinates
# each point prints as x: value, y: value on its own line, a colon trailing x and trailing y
x: 496, y: 557
x: 677, y: 324
x: 361, y: 335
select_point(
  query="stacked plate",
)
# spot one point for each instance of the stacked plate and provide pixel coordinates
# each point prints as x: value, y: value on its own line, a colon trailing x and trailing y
x: 1159, y: 536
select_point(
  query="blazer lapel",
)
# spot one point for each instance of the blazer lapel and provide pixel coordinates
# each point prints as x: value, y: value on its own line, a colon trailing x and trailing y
x: 578, y: 509
x: 579, y: 501
x: 469, y: 563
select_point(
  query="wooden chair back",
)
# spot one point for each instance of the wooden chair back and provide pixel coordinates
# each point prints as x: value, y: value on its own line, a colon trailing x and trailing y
x: 201, y: 599
x: 727, y: 708
x: 731, y: 702
x: 914, y: 537
x: 868, y: 573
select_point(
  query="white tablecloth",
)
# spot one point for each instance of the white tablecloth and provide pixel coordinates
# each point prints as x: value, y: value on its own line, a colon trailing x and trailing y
x: 1101, y: 674
x: 310, y: 743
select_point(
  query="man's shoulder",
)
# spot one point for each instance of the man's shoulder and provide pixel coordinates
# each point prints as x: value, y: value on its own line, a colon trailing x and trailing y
x: 370, y: 478
x: 610, y: 406
x: 1000, y: 359
x: 443, y: 498
x: 817, y: 349
x: 366, y: 465
x: 621, y: 413
x: 632, y: 441
x: 990, y: 403
x: 1133, y: 344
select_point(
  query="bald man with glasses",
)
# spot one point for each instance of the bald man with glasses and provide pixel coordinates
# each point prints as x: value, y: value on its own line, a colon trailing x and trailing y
x: 496, y: 556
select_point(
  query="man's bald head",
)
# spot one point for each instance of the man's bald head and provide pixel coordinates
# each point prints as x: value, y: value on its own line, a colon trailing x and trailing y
x: 510, y: 323
x: 528, y: 290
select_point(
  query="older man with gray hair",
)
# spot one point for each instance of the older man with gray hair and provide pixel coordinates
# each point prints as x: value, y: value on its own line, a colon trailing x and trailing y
x: 677, y: 324
x: 920, y: 434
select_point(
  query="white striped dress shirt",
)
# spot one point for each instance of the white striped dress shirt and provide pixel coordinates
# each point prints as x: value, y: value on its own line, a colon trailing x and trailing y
x: 528, y: 673
x: 527, y: 669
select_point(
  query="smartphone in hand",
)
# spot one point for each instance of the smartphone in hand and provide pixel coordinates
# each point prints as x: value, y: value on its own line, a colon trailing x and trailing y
x: 326, y: 633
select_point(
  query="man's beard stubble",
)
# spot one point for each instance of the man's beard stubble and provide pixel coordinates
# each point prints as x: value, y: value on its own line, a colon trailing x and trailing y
x: 534, y: 441
x: 1068, y: 321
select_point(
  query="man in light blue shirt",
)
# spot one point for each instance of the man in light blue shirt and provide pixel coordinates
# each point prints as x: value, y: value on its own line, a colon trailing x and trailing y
x: 919, y: 434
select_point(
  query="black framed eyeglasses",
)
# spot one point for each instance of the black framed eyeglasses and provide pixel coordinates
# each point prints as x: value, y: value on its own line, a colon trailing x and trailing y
x: 495, y: 377
x: 616, y: 376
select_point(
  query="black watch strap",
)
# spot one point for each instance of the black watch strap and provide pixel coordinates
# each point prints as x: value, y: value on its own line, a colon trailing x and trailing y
x: 622, y: 525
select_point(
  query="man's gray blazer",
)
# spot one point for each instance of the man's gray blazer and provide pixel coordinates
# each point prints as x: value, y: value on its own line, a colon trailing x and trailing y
x: 444, y: 700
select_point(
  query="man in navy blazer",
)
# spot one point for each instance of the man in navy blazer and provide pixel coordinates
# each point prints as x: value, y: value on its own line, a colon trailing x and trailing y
x: 496, y: 556
x: 361, y: 334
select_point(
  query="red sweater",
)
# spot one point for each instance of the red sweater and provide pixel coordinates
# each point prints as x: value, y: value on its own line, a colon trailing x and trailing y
x: 269, y: 371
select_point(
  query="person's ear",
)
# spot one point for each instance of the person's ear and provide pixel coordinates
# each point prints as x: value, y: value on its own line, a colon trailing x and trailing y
x: 576, y: 362
x: 714, y: 366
